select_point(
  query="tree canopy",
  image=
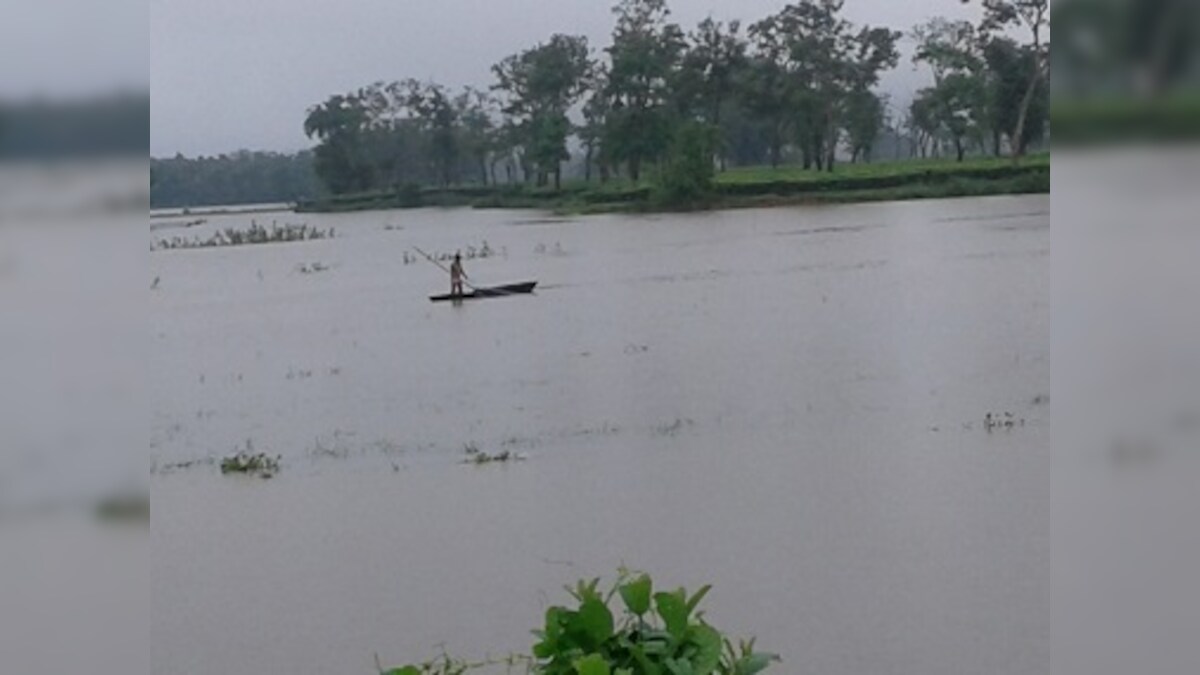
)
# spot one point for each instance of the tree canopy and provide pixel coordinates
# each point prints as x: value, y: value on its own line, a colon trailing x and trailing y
x: 798, y: 85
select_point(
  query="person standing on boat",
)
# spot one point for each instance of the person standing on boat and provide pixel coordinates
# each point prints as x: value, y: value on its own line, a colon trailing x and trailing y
x: 456, y: 276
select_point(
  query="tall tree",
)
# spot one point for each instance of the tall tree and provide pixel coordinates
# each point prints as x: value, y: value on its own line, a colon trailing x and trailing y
x: 828, y: 59
x: 339, y: 124
x: 923, y: 123
x: 541, y: 85
x: 592, y: 132
x: 954, y: 106
x: 477, y: 136
x: 716, y: 52
x: 865, y: 117
x: 1009, y: 66
x: 1034, y: 15
x: 643, y: 59
x: 769, y: 89
x: 958, y: 102
x: 433, y: 107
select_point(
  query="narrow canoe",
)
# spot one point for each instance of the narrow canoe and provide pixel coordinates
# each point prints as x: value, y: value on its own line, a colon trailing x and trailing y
x: 490, y: 292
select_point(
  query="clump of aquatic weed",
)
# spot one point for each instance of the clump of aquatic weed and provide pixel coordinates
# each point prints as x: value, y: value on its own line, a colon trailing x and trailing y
x: 662, y: 632
x: 250, y: 463
x: 255, y: 234
x: 673, y: 428
x: 471, y: 252
x: 477, y: 457
x: 315, y: 268
x: 1001, y: 422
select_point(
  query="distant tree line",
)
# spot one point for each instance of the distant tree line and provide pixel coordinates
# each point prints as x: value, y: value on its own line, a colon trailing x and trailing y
x: 798, y: 85
x: 112, y: 125
x: 239, y: 178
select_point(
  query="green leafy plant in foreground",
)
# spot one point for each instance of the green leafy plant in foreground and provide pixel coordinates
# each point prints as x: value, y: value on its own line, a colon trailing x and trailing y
x: 661, y: 633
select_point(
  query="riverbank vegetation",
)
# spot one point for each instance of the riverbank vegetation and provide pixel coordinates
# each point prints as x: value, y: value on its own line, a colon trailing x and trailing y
x: 662, y: 114
x: 651, y: 633
x: 736, y: 187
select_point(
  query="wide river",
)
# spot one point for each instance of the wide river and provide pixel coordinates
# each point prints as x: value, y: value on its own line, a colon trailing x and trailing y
x: 788, y: 403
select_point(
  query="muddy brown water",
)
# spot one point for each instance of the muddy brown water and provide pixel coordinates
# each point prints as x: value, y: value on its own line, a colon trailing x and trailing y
x: 787, y: 403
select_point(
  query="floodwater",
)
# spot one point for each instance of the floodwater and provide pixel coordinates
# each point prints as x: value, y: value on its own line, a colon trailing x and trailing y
x: 787, y: 403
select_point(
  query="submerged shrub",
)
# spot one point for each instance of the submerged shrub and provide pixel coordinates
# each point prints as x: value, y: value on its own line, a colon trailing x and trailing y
x: 249, y: 462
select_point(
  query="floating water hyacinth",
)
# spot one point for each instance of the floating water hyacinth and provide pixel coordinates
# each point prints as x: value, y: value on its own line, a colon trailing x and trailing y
x: 255, y: 234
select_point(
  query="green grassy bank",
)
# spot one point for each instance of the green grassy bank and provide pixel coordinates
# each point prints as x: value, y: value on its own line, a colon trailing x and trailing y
x: 740, y: 187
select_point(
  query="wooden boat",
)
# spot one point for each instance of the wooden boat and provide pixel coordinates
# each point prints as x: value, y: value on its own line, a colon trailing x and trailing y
x: 490, y: 292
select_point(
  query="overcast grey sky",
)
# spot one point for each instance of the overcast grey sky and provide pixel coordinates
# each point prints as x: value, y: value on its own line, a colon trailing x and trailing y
x: 231, y: 74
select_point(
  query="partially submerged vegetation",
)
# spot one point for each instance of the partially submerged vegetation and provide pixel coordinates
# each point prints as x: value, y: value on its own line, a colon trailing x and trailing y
x: 478, y: 457
x: 248, y: 462
x: 470, y: 252
x: 255, y: 234
x: 663, y: 633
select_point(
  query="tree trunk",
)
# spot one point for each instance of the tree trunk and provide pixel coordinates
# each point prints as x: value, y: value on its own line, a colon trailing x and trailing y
x: 635, y: 169
x: 1018, y: 138
x: 587, y: 166
x: 958, y: 148
x: 558, y: 178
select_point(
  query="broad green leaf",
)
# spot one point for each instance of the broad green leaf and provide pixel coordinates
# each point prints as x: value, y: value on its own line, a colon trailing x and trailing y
x: 708, y: 649
x: 592, y: 664
x: 657, y: 647
x: 556, y: 618
x: 594, y: 621
x: 647, y: 666
x: 679, y: 667
x: 754, y: 663
x: 674, y: 613
x: 406, y: 670
x: 636, y: 595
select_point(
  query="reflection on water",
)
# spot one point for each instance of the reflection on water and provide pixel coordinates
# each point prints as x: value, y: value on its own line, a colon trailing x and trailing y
x: 800, y: 420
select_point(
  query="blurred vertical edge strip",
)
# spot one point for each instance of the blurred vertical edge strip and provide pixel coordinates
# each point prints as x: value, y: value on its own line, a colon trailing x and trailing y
x: 74, y: 500
x: 1125, y: 118
x: 1125, y: 70
x: 74, y: 192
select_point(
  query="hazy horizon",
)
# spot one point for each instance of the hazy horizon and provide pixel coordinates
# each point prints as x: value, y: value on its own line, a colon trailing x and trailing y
x: 229, y: 75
